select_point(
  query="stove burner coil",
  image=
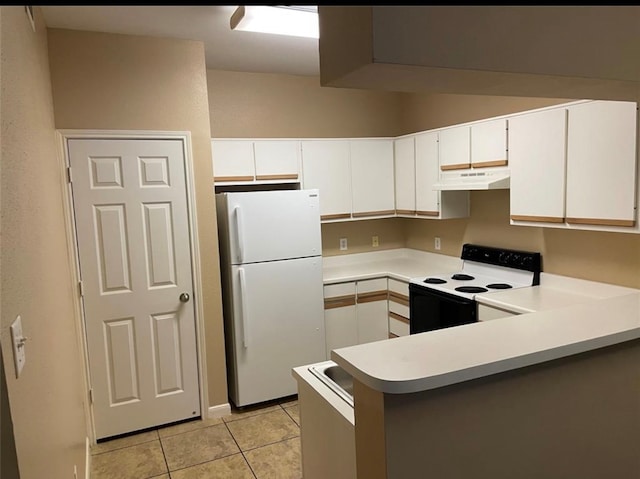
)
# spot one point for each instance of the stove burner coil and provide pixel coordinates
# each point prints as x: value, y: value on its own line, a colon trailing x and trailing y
x: 471, y: 289
x: 462, y: 277
x: 434, y: 281
x: 499, y: 286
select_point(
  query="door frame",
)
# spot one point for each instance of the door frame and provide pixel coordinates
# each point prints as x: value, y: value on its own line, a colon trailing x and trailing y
x: 62, y: 136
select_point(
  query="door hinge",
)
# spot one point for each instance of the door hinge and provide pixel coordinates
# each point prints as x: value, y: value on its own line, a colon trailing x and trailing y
x: 81, y: 288
x: 90, y: 396
x: 69, y: 175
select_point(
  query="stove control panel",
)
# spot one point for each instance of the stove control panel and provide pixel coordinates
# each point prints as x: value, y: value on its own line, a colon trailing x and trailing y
x: 524, y: 260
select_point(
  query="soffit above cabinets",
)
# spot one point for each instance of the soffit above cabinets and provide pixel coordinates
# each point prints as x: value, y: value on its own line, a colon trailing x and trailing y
x: 534, y: 51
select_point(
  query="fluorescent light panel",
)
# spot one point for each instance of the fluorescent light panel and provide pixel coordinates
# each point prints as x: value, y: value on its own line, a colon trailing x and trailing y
x: 291, y: 20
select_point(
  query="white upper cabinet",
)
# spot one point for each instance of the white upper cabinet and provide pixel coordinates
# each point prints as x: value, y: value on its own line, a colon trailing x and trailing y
x: 232, y: 160
x: 432, y: 203
x: 372, y: 177
x: 427, y: 173
x: 405, y: 175
x: 455, y: 148
x: 246, y: 160
x: 537, y: 145
x: 601, y: 163
x: 325, y: 165
x: 277, y: 159
x: 489, y: 144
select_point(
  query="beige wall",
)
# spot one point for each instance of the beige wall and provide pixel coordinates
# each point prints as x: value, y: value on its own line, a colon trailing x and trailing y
x: 263, y: 105
x: 598, y: 256
x: 124, y: 82
x: 426, y: 111
x: 47, y: 400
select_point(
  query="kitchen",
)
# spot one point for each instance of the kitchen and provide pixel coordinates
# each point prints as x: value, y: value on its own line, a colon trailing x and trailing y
x: 240, y: 105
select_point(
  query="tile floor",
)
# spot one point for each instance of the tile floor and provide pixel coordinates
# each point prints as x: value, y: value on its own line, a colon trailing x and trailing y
x: 253, y: 443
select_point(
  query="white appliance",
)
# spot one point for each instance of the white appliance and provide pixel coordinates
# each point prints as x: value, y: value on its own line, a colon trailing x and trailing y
x: 448, y: 299
x: 271, y: 264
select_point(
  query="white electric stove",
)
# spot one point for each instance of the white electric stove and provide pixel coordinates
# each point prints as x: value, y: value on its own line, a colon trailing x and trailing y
x: 446, y: 300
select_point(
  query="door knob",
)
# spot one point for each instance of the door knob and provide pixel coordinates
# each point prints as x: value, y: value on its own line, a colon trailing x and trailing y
x: 184, y: 297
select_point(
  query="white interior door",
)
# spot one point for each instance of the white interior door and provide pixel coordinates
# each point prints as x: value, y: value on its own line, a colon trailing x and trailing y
x: 132, y: 229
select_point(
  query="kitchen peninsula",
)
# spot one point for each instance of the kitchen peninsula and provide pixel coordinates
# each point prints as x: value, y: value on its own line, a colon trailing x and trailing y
x: 553, y: 393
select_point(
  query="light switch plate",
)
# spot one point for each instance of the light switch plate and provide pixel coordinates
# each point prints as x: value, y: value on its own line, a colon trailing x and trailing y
x: 17, y: 340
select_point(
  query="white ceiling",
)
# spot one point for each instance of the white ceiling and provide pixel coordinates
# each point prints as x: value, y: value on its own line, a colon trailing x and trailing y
x: 225, y: 49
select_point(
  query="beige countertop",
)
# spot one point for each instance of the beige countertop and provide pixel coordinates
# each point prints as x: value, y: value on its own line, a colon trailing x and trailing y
x: 402, y: 264
x: 447, y: 356
x: 560, y: 317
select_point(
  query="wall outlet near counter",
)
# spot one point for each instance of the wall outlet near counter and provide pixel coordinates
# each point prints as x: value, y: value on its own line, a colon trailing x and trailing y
x: 437, y: 243
x: 375, y: 242
x: 343, y: 244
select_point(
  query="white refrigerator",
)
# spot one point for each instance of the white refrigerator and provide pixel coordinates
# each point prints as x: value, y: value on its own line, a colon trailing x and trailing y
x: 271, y: 265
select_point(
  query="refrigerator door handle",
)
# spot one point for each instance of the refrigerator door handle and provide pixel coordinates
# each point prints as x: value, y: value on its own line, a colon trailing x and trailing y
x: 239, y: 239
x: 243, y: 305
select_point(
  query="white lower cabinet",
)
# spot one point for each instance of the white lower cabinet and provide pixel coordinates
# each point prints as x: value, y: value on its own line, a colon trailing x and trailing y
x: 398, y: 308
x: 341, y: 328
x: 355, y: 313
x: 371, y: 310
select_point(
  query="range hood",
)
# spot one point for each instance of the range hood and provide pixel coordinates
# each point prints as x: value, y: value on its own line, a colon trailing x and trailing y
x: 473, y: 180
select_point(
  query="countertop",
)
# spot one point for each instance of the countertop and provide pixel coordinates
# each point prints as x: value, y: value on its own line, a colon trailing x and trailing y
x: 560, y: 317
x: 402, y: 264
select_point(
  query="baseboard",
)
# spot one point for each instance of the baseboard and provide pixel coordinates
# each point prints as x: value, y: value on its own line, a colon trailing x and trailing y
x: 219, y: 411
x: 87, y: 460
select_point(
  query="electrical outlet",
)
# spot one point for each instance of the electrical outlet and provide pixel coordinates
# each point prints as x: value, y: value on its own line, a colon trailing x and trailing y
x: 343, y: 244
x: 375, y: 242
x: 437, y: 243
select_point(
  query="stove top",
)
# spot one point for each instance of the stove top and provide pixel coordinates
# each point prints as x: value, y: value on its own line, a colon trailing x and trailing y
x: 485, y: 270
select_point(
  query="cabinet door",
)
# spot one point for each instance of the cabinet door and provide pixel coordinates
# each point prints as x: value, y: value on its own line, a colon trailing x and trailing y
x: 427, y: 199
x: 340, y: 325
x: 372, y: 177
x: 398, y: 308
x: 601, y: 163
x: 325, y: 165
x: 232, y: 160
x: 455, y: 148
x: 405, y: 176
x: 537, y: 145
x: 371, y: 310
x: 276, y: 159
x: 489, y: 144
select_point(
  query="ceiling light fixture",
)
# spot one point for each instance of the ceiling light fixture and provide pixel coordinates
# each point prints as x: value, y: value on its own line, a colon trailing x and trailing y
x: 298, y: 21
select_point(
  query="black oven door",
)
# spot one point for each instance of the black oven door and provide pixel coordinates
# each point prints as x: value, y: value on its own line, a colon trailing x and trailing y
x: 430, y: 309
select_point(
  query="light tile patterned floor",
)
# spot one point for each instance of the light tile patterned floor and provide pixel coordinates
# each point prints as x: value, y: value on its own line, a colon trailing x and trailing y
x: 260, y: 442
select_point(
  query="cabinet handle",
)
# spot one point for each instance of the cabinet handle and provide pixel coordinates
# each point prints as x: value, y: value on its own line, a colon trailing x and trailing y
x: 602, y: 222
x: 544, y: 219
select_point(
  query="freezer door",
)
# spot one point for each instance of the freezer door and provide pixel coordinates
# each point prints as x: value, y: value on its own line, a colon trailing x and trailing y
x: 273, y: 225
x: 278, y: 324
